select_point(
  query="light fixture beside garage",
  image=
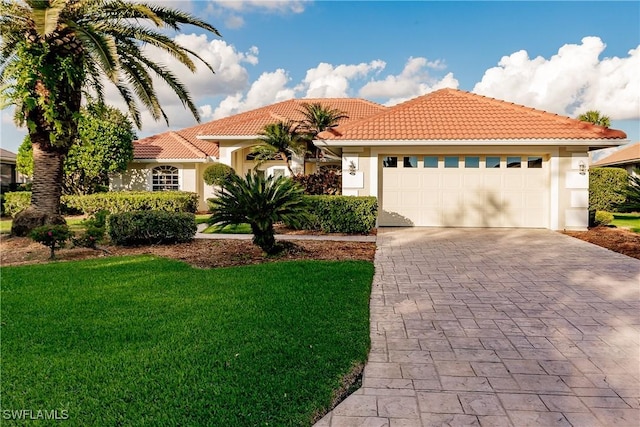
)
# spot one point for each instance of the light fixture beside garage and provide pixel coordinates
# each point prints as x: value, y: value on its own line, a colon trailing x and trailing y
x: 582, y: 167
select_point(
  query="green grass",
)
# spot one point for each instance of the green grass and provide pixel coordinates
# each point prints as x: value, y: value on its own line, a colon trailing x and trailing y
x: 629, y: 220
x: 229, y: 229
x: 149, y: 341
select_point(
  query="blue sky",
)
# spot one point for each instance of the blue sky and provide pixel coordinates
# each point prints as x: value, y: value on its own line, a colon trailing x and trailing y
x: 563, y: 57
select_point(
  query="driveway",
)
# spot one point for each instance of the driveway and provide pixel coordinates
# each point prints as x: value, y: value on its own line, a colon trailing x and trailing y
x: 498, y: 328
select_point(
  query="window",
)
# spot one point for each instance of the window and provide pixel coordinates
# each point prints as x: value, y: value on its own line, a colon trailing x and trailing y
x: 534, y: 162
x: 390, y: 162
x: 164, y: 178
x: 410, y: 162
x: 277, y: 173
x: 451, y: 162
x: 430, y: 162
x: 492, y: 162
x: 472, y: 162
x: 514, y: 162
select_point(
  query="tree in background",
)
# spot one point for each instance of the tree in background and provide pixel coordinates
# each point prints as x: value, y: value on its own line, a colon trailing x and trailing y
x: 317, y: 119
x: 594, y: 117
x: 280, y: 140
x: 104, y: 146
x: 52, y: 50
x: 631, y: 194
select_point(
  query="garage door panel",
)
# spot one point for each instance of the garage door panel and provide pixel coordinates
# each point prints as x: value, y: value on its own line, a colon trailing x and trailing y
x: 464, y: 197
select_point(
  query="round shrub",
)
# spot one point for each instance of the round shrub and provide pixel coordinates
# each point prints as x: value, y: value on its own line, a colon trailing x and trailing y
x: 603, y: 218
x: 218, y: 174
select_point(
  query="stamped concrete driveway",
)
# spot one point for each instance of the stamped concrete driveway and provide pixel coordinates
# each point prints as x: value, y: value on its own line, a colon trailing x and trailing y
x: 499, y: 328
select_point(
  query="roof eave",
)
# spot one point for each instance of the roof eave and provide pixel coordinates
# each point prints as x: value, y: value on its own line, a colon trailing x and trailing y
x: 227, y: 137
x: 175, y: 160
x: 470, y: 142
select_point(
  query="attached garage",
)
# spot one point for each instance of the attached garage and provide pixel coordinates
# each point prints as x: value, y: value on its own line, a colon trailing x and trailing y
x: 464, y: 191
x: 457, y: 159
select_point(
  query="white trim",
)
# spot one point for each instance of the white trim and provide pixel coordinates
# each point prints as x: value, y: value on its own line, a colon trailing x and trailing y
x: 554, y: 190
x: 394, y: 143
x: 199, y: 160
x: 374, y: 170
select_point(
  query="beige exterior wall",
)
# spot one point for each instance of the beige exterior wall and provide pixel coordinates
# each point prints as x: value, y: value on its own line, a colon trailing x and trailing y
x: 567, y: 187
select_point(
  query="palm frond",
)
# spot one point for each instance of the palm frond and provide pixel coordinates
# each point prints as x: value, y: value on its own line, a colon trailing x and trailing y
x: 101, y: 47
x: 46, y: 15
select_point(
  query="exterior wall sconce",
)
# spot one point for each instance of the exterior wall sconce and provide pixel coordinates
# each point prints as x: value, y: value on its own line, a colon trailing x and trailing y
x: 352, y: 168
x: 582, y: 167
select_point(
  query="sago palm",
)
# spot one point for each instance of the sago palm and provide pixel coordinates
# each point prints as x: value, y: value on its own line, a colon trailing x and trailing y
x: 259, y: 202
x: 280, y: 140
x: 53, y: 50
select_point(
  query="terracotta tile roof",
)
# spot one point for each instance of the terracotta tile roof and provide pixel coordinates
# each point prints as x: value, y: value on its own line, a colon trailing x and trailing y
x: 627, y: 154
x: 450, y: 114
x: 174, y: 145
x: 252, y: 122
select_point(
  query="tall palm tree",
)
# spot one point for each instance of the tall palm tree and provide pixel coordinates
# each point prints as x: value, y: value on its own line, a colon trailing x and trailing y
x: 317, y: 119
x: 280, y: 140
x: 52, y: 50
x: 594, y: 117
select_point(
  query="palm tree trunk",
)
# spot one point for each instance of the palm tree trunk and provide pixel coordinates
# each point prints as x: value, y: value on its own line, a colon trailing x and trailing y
x: 46, y: 188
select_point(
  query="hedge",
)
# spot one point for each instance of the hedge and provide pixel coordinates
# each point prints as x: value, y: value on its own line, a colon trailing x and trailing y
x: 605, y: 187
x: 151, y: 227
x: 114, y: 202
x: 341, y: 214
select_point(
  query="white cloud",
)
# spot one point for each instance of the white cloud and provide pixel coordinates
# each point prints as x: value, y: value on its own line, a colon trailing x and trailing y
x: 414, y: 80
x: 269, y: 88
x: 571, y: 82
x: 283, y: 6
x: 327, y: 81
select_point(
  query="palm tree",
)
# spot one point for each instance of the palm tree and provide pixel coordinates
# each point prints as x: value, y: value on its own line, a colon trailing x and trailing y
x: 317, y: 119
x: 259, y: 202
x: 52, y: 50
x: 280, y: 140
x: 594, y: 117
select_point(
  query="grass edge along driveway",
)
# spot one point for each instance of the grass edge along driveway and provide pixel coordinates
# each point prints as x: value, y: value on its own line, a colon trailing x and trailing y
x: 145, y: 340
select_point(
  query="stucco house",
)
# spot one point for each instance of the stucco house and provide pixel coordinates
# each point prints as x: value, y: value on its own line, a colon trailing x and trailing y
x: 626, y: 157
x: 448, y: 158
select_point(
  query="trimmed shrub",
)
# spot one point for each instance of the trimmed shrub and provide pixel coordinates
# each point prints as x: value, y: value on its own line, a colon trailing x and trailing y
x: 95, y: 228
x: 16, y: 201
x: 151, y: 227
x: 603, y: 218
x: 52, y: 236
x: 341, y: 214
x: 129, y: 201
x: 217, y: 174
x: 606, y: 188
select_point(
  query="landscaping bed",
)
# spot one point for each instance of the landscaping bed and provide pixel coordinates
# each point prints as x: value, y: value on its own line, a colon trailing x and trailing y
x: 615, y: 239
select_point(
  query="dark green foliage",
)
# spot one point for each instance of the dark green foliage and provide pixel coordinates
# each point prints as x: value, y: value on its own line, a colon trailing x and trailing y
x: 127, y: 201
x: 606, y: 187
x: 94, y: 230
x: 631, y: 194
x: 52, y: 236
x: 122, y: 341
x: 16, y: 201
x: 281, y: 140
x: 341, y: 214
x: 323, y: 182
x: 151, y: 227
x: 259, y: 202
x: 218, y: 174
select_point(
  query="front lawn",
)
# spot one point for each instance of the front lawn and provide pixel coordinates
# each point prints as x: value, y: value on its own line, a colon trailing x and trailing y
x: 229, y: 229
x: 145, y: 340
x: 629, y: 220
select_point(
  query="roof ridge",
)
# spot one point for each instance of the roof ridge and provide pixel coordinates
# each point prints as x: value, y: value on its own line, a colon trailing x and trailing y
x: 195, y: 150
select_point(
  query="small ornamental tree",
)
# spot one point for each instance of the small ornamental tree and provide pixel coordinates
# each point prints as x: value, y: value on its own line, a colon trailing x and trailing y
x: 260, y: 202
x: 218, y: 174
x: 631, y: 194
x: 52, y: 236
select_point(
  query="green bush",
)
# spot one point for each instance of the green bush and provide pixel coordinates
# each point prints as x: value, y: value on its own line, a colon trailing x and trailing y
x: 606, y: 187
x: 151, y: 227
x: 52, y: 236
x: 341, y: 214
x: 94, y: 230
x: 129, y: 201
x: 603, y: 218
x: 217, y: 174
x: 16, y: 201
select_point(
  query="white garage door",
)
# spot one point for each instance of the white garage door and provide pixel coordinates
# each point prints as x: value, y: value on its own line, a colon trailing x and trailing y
x: 464, y: 191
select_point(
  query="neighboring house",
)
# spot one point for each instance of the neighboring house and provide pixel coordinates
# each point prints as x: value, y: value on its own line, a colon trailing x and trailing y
x: 449, y: 158
x: 8, y: 176
x: 626, y: 157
